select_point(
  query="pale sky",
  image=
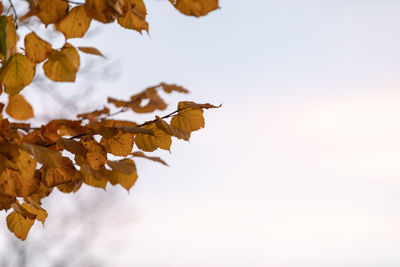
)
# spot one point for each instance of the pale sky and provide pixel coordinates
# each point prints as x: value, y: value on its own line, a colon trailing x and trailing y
x: 300, y: 166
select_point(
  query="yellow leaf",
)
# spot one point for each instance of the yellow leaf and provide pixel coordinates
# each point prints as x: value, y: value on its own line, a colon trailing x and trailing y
x: 19, y: 178
x: 171, y: 130
x: 19, y: 108
x: 75, y: 24
x: 135, y: 18
x: 195, y: 8
x: 96, y: 155
x: 19, y: 225
x: 36, y: 49
x: 50, y: 11
x: 17, y: 73
x: 91, y: 50
x: 62, y: 65
x: 188, y: 119
x: 150, y: 143
x: 120, y: 175
x: 120, y: 144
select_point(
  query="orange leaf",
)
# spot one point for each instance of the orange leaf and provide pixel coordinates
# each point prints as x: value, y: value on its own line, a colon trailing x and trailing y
x: 19, y: 108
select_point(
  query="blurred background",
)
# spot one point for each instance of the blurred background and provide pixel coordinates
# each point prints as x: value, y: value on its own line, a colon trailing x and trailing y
x: 300, y: 166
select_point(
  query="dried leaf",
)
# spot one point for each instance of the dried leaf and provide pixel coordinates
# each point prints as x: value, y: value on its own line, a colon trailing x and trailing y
x: 142, y: 155
x: 91, y: 50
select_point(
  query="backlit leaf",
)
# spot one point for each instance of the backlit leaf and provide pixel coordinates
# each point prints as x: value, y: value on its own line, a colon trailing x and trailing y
x: 17, y: 73
x: 62, y: 65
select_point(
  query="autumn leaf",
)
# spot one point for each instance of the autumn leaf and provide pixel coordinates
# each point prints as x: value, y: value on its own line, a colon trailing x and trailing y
x: 96, y: 155
x: 63, y: 173
x: 47, y: 157
x: 123, y: 173
x: 135, y: 18
x: 19, y: 108
x: 124, y: 166
x: 142, y: 155
x: 171, y: 130
x: 12, y: 37
x: 195, y: 8
x: 169, y: 88
x: 91, y: 51
x: 19, y: 225
x: 106, y: 11
x: 150, y: 143
x: 19, y: 179
x: 41, y: 214
x: 62, y: 65
x: 36, y: 49
x: 49, y: 11
x: 75, y: 24
x: 188, y: 118
x: 17, y: 73
x: 120, y: 144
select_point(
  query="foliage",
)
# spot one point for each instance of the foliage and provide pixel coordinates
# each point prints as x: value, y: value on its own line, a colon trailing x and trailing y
x: 33, y: 160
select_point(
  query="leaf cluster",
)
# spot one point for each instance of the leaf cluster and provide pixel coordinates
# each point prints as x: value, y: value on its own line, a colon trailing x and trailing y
x: 93, y: 149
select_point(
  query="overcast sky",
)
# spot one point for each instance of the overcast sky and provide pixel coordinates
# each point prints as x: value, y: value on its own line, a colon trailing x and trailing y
x: 300, y: 166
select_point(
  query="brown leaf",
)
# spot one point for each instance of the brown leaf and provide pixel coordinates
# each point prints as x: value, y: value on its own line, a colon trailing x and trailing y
x: 91, y: 50
x: 142, y: 155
